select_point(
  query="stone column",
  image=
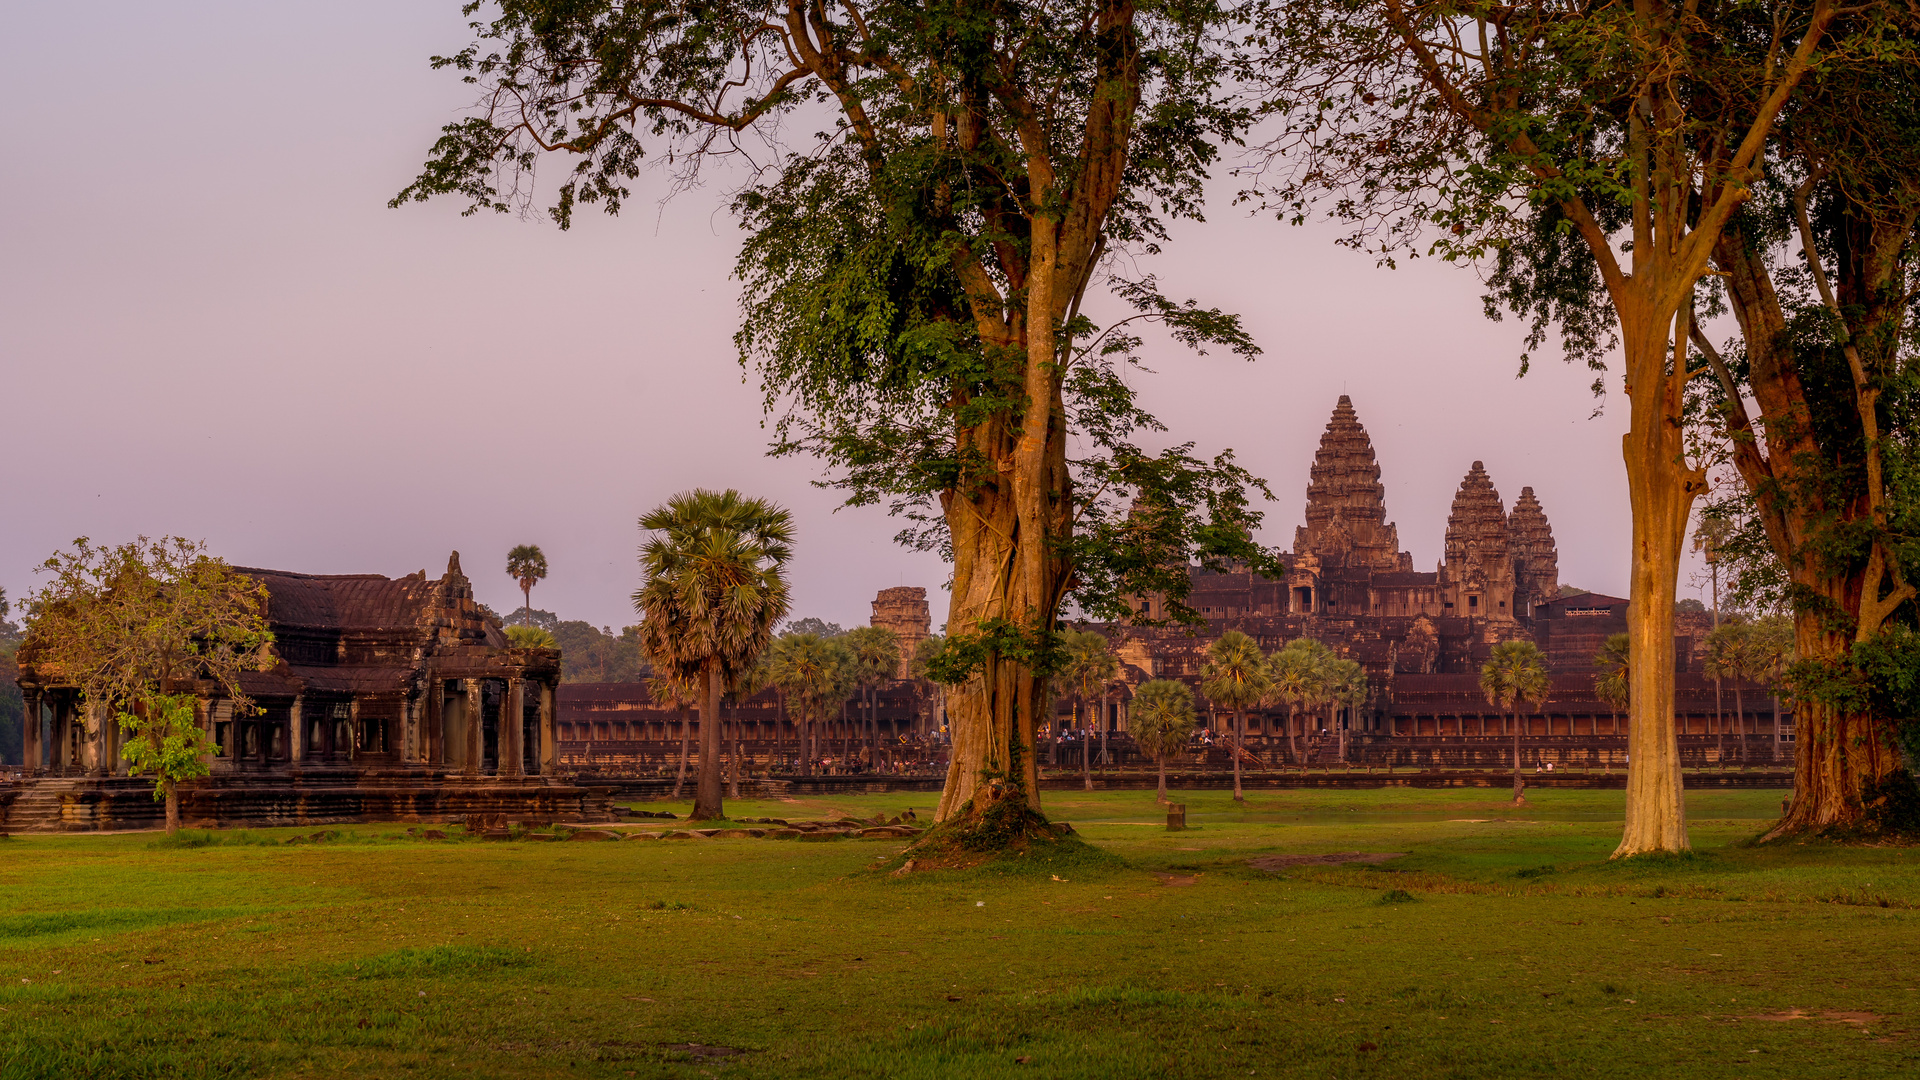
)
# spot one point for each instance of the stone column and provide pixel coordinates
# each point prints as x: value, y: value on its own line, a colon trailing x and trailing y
x: 512, y: 723
x: 353, y: 727
x: 433, y: 740
x: 296, y: 731
x: 549, y: 746
x: 30, y: 734
x: 476, y: 735
x: 406, y: 733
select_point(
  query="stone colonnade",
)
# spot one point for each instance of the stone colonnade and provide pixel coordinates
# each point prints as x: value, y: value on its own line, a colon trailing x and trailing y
x: 62, y: 737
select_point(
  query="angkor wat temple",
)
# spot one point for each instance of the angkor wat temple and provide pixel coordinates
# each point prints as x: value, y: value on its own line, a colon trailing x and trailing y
x: 1423, y: 635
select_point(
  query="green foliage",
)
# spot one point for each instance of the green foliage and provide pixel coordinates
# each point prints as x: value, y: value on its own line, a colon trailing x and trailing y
x: 1517, y: 671
x: 888, y: 260
x: 814, y: 673
x: 1090, y: 664
x: 1236, y: 674
x: 876, y: 654
x: 121, y: 623
x: 1301, y: 674
x: 715, y: 581
x: 961, y: 655
x: 1610, y: 668
x: 165, y: 740
x: 1161, y: 718
x: 527, y: 564
x: 817, y: 627
x: 531, y: 637
x: 13, y: 707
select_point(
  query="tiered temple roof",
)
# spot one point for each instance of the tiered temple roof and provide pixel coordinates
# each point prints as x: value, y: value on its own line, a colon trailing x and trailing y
x: 1346, y: 503
x: 1536, y: 562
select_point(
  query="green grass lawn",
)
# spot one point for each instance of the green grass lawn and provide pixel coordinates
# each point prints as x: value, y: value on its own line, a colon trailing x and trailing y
x: 1511, y: 948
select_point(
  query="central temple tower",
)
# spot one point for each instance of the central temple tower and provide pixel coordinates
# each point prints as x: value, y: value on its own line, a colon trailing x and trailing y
x: 1476, y: 576
x: 1347, y: 524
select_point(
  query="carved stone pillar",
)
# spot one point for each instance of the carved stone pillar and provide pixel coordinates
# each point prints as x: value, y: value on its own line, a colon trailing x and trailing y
x: 548, y: 745
x: 409, y: 750
x: 296, y: 731
x: 30, y: 734
x: 353, y: 727
x: 513, y: 710
x: 433, y: 741
x: 476, y: 734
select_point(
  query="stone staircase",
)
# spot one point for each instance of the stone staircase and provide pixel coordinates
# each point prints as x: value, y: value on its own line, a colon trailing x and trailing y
x: 42, y: 805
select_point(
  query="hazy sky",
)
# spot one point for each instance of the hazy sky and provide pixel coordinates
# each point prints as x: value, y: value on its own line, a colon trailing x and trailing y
x: 211, y: 325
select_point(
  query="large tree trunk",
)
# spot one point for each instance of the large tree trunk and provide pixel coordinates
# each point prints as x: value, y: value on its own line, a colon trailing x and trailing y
x: 1739, y: 722
x: 1836, y: 753
x: 1238, y: 726
x: 706, y: 792
x: 1105, y: 761
x: 1661, y: 489
x: 680, y: 777
x: 1519, y: 782
x: 1720, y: 719
x: 733, y: 759
x: 1293, y: 748
x: 1162, y: 796
x: 1086, y: 744
x: 173, y: 806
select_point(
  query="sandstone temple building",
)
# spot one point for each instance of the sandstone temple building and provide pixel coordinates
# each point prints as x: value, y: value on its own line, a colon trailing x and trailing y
x: 394, y: 697
x: 1422, y: 635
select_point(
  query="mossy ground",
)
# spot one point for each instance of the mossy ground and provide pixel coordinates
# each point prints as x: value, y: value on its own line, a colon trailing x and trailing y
x: 1503, y: 944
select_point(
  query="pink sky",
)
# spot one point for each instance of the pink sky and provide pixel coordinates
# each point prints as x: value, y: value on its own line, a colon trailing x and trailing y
x: 210, y: 325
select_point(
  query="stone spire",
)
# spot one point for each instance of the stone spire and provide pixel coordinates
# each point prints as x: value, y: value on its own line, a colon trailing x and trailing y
x: 1476, y: 577
x: 1346, y: 503
x: 1536, y: 561
x: 904, y: 611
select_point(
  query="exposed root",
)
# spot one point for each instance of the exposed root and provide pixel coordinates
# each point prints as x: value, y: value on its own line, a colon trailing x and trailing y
x: 995, y: 823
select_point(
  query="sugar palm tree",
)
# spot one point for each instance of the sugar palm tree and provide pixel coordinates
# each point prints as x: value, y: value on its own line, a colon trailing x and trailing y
x: 1236, y: 676
x: 1772, y: 652
x: 809, y: 670
x: 1161, y: 722
x: 1610, y: 675
x: 1298, y: 674
x: 531, y: 637
x: 527, y: 565
x: 876, y: 662
x: 1090, y: 666
x: 1516, y: 672
x: 715, y: 586
x: 1346, y: 687
x: 670, y: 686
x: 1738, y: 651
x: 754, y: 679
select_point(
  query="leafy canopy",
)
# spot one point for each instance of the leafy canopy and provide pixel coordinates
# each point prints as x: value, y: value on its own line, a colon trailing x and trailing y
x: 910, y: 177
x: 1161, y: 717
x: 136, y: 628
x: 715, y: 583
